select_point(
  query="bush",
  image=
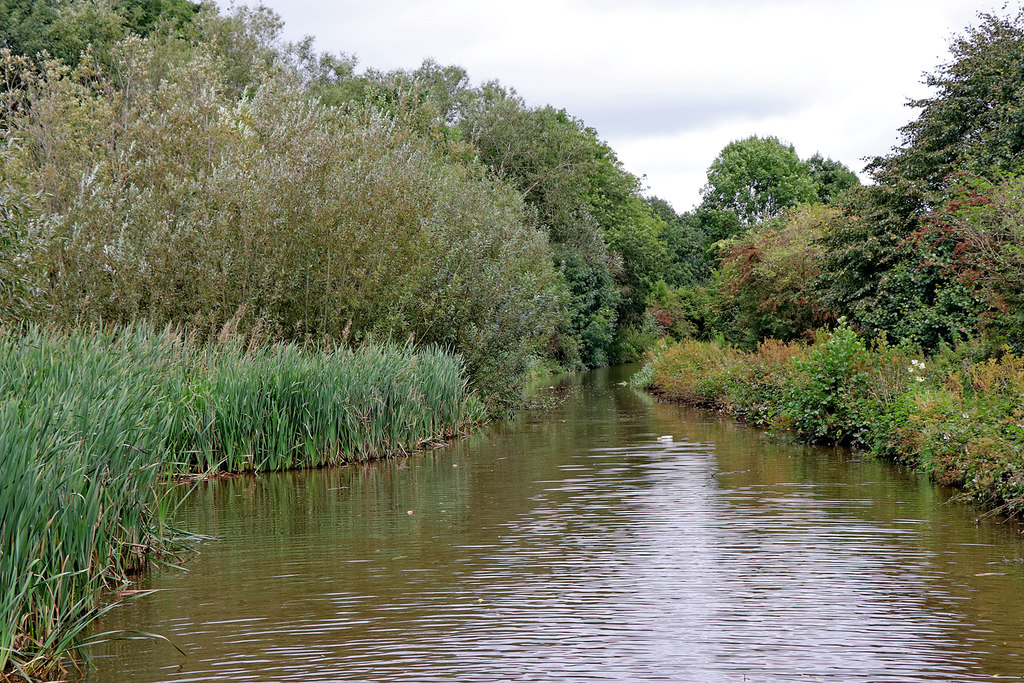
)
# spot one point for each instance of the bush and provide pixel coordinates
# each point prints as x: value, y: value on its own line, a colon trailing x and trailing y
x: 693, y: 372
x: 765, y: 376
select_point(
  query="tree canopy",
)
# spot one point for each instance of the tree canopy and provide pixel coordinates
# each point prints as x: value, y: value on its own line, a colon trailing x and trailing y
x: 756, y: 179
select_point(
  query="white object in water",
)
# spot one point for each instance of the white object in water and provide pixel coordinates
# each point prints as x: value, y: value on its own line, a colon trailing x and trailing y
x: 667, y: 437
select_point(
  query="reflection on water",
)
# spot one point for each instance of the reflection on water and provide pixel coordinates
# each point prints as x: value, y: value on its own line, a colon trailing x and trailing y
x: 573, y: 545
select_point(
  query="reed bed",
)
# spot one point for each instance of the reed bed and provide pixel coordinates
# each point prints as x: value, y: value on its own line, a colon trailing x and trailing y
x: 92, y: 422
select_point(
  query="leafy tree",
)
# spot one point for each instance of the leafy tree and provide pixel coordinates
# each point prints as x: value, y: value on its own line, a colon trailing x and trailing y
x: 982, y: 222
x: 20, y: 232
x: 685, y: 244
x: 180, y: 195
x: 550, y: 158
x: 973, y: 121
x: 888, y: 280
x: 764, y: 281
x: 756, y: 179
x: 585, y: 201
x: 25, y: 26
x: 592, y: 303
x: 632, y: 229
x: 65, y: 29
x: 883, y: 267
x: 831, y: 178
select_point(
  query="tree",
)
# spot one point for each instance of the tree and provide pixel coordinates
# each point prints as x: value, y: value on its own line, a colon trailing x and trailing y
x: 66, y: 29
x: 883, y: 268
x: 605, y: 233
x: 764, y: 281
x: 685, y: 244
x: 756, y: 179
x: 973, y: 122
x: 982, y: 221
x: 887, y: 278
x: 552, y: 160
x: 186, y: 189
x: 20, y: 276
x: 831, y: 178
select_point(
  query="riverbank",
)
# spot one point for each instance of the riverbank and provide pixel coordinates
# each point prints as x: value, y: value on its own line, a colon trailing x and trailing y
x: 95, y: 422
x: 955, y: 416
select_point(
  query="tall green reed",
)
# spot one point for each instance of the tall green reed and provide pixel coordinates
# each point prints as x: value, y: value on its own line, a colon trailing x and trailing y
x: 92, y: 422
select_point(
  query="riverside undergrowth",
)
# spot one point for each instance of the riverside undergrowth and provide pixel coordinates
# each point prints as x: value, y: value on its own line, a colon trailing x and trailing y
x: 95, y: 422
x: 955, y: 415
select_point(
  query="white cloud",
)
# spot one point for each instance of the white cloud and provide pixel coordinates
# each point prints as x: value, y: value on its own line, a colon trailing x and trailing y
x: 669, y: 83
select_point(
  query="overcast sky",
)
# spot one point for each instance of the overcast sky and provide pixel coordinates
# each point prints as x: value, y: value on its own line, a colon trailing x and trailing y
x: 668, y: 83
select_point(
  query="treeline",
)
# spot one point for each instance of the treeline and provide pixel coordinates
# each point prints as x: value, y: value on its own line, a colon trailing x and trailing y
x: 164, y: 161
x: 284, y: 217
x: 167, y: 162
x: 930, y: 253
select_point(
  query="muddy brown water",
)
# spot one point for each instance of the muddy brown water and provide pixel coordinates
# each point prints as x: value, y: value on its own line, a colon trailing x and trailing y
x: 572, y: 545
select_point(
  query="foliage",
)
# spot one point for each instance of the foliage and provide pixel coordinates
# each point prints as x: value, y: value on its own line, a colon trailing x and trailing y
x: 765, y: 278
x: 686, y: 312
x: 756, y: 179
x: 550, y: 157
x: 957, y: 417
x: 822, y: 402
x: 93, y: 419
x: 694, y: 372
x: 66, y: 29
x: 831, y: 178
x: 966, y: 431
x: 982, y: 223
x: 592, y: 303
x: 892, y: 264
x: 973, y: 120
x: 194, y: 211
x: 631, y: 343
x: 685, y: 243
x: 20, y: 231
x: 605, y: 234
x: 893, y: 277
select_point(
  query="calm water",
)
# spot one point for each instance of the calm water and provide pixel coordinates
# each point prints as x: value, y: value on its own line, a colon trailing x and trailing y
x: 571, y: 545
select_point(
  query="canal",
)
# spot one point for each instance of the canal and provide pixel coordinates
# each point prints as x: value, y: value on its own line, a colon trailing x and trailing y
x: 571, y: 544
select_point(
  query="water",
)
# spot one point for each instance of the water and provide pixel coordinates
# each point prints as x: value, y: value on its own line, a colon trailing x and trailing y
x: 572, y: 545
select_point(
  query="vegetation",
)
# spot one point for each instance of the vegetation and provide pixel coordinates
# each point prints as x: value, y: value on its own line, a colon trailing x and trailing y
x: 318, y: 232
x: 924, y: 255
x: 951, y: 415
x: 196, y: 214
x: 886, y: 317
x: 93, y: 421
x: 757, y: 178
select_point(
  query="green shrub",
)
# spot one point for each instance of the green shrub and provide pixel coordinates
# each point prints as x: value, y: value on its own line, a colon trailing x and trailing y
x: 822, y: 403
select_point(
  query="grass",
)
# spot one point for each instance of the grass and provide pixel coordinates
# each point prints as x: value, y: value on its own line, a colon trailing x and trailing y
x: 94, y: 422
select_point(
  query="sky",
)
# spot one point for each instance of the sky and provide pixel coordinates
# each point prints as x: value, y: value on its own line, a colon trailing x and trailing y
x: 668, y: 83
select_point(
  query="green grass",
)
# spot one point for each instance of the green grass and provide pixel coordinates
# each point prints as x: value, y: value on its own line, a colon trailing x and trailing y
x: 94, y: 422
